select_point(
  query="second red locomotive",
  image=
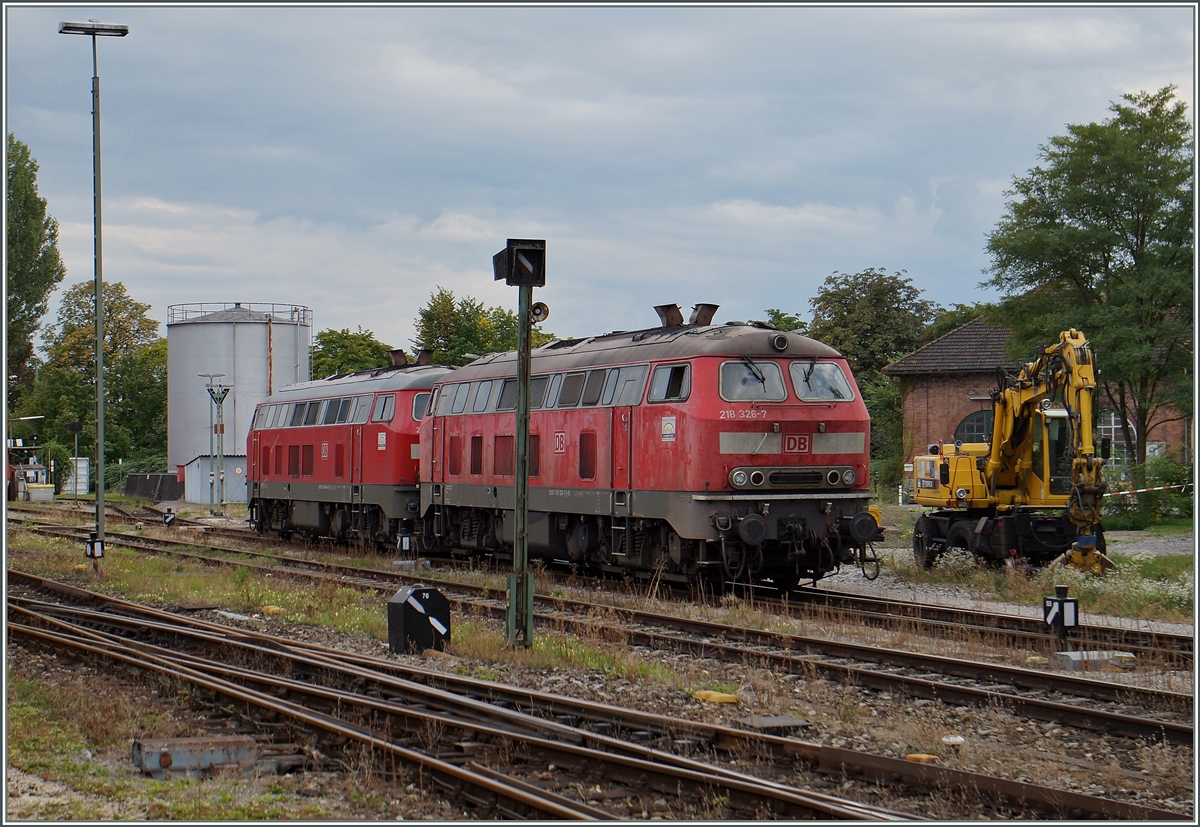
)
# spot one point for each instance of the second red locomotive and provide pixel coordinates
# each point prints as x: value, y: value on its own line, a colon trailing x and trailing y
x: 687, y: 451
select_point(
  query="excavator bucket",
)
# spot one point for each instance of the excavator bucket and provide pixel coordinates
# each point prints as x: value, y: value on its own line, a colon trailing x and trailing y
x: 1083, y: 555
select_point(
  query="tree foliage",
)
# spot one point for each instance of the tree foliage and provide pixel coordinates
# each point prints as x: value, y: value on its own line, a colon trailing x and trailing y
x: 871, y: 317
x: 135, y: 379
x: 786, y: 321
x: 34, y: 266
x: 453, y: 328
x: 1099, y: 237
x: 340, y: 351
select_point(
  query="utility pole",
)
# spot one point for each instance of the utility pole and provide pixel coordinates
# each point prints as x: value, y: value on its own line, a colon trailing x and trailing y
x: 212, y: 458
x: 218, y: 394
x: 522, y: 263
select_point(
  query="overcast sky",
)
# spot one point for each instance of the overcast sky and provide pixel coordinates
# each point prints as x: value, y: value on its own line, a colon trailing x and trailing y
x: 354, y: 159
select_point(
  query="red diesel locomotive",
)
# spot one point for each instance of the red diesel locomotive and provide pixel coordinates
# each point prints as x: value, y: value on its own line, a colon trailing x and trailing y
x: 337, y: 457
x: 687, y: 451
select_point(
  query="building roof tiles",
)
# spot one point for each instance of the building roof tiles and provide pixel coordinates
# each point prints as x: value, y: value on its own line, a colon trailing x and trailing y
x: 973, y: 348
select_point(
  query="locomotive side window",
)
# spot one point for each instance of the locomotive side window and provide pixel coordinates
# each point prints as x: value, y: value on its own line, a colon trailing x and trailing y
x: 454, y: 456
x: 298, y: 414
x: 385, y: 408
x: 269, y: 419
x: 595, y: 384
x: 306, y: 469
x: 748, y: 381
x: 344, y: 410
x: 503, y: 455
x: 572, y: 387
x: 508, y: 396
x: 535, y: 465
x: 537, y: 391
x: 331, y: 412
x: 446, y: 399
x: 587, y: 455
x: 435, y: 397
x: 627, y: 385
x: 671, y: 383
x: 266, y: 460
x: 310, y: 416
x: 339, y: 460
x: 477, y: 454
x: 293, y: 460
x: 552, y: 394
x: 820, y: 382
x: 420, y: 402
x: 483, y: 395
x: 279, y: 461
x: 362, y: 409
x: 460, y: 398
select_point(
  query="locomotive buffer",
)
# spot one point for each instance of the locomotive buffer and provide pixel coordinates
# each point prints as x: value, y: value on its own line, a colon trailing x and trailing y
x: 522, y: 263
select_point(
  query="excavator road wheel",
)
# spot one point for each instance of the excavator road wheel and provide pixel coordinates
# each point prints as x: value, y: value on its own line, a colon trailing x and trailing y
x: 925, y: 549
x: 960, y: 536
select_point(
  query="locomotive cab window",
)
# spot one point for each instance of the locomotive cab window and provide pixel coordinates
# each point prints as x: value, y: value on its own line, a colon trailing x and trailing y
x: 537, y: 391
x: 362, y: 409
x: 343, y: 414
x: 552, y: 393
x: 671, y: 383
x: 420, y: 401
x: 820, y: 382
x: 446, y: 399
x: 751, y: 381
x: 385, y: 408
x: 298, y: 414
x: 593, y: 388
x: 624, y: 386
x: 314, y: 411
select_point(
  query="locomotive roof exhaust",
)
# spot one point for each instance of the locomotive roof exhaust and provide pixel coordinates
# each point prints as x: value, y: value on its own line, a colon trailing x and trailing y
x: 671, y: 316
x: 398, y: 358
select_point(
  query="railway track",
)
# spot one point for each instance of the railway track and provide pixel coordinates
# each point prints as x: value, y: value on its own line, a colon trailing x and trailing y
x: 571, y: 733
x: 1046, y: 696
x: 987, y: 628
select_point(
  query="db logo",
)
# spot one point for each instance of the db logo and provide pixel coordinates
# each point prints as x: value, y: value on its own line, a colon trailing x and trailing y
x: 796, y: 443
x: 560, y: 442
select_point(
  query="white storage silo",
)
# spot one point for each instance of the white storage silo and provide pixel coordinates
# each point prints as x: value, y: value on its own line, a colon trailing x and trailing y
x: 259, y: 347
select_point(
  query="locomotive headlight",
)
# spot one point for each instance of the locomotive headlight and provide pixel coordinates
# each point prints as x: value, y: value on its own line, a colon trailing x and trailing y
x: 834, y: 477
x: 848, y: 477
x: 739, y: 478
x: 960, y: 493
x: 757, y: 478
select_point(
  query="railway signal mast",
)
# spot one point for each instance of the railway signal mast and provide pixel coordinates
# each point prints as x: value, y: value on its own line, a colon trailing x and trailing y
x: 522, y: 264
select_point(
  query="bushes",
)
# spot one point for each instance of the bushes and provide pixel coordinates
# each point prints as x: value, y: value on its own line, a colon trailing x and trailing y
x: 1133, y: 512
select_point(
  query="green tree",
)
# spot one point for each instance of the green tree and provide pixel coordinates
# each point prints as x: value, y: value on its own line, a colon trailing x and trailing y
x: 34, y: 266
x: 454, y: 328
x: 135, y: 386
x: 1099, y: 238
x: 871, y: 317
x: 340, y: 351
x: 955, y: 317
x: 786, y: 321
x: 874, y: 318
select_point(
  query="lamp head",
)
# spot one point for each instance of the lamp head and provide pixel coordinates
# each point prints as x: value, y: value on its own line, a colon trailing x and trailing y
x: 94, y: 28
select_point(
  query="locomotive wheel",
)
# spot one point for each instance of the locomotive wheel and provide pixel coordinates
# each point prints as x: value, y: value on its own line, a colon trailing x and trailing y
x: 925, y: 549
x: 960, y: 536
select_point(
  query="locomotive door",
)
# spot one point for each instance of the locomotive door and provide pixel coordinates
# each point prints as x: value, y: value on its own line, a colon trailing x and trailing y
x: 622, y: 457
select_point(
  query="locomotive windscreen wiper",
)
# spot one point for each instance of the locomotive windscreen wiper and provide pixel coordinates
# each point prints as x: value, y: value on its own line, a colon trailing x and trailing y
x: 758, y: 374
x: 808, y: 373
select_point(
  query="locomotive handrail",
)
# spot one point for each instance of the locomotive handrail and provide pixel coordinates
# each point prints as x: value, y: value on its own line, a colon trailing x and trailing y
x: 752, y: 497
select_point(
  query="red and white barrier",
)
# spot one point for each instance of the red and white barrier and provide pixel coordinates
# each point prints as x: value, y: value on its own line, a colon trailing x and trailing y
x: 1144, y: 490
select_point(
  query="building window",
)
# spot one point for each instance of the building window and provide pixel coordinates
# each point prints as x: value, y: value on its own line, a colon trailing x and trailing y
x: 587, y: 455
x: 1108, y: 426
x: 976, y: 427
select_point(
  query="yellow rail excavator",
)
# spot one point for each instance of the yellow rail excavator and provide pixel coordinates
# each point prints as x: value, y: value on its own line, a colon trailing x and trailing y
x: 1032, y: 491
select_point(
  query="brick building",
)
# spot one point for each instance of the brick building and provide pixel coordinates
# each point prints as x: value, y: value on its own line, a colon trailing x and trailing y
x: 946, y: 390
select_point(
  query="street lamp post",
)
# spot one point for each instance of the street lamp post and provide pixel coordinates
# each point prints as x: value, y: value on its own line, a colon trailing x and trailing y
x: 94, y: 29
